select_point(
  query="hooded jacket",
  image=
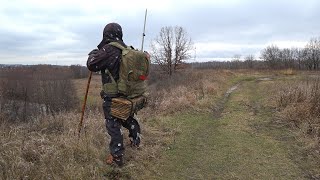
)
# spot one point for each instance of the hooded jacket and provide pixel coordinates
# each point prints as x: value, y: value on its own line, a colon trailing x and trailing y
x: 107, y: 56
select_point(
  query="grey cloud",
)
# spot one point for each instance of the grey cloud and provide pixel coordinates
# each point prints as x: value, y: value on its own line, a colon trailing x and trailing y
x: 13, y: 42
x: 275, y: 19
x: 227, y: 53
x: 247, y: 22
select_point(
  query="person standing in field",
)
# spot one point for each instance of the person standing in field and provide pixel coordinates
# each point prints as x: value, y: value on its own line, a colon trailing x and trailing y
x: 107, y: 59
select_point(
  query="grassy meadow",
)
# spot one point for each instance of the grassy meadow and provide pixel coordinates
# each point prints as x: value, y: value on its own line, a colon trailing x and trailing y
x: 266, y: 127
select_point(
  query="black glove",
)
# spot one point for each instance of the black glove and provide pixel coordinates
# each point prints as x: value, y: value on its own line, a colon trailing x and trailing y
x: 95, y: 51
x: 103, y: 94
x: 90, y: 65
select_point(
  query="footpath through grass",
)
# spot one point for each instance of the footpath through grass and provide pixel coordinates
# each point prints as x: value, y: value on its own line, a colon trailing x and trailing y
x: 240, y: 144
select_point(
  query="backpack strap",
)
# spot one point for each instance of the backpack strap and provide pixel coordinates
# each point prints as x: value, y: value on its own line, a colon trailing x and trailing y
x: 110, y: 75
x: 110, y: 88
x: 118, y: 45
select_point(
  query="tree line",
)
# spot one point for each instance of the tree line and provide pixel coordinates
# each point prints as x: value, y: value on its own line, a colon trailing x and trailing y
x: 273, y: 57
x: 172, y: 47
x: 307, y: 58
x: 29, y: 91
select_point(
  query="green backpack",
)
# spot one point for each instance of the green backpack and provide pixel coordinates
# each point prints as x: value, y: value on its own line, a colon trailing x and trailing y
x: 134, y: 69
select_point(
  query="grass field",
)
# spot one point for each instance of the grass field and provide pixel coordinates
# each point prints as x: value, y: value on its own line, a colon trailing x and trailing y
x: 244, y: 143
x: 192, y: 129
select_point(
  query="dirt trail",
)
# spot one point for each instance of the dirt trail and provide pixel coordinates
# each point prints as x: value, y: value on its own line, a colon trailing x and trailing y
x: 233, y: 145
x: 218, y: 109
x: 221, y: 104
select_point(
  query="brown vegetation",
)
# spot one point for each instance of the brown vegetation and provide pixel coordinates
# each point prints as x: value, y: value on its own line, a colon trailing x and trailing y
x: 307, y: 58
x: 47, y: 147
x: 29, y: 91
x: 299, y: 104
x: 190, y: 89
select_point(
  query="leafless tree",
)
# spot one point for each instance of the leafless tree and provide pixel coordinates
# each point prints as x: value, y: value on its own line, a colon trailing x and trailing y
x: 249, y: 60
x: 236, y: 57
x: 297, y: 57
x: 26, y: 92
x: 79, y: 71
x: 171, y: 48
x: 271, y: 55
x: 286, y: 57
x: 313, y: 54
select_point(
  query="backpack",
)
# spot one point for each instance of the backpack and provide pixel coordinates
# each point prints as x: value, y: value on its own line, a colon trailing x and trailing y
x: 134, y: 69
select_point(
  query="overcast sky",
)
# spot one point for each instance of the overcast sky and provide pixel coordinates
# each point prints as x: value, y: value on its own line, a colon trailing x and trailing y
x: 64, y: 31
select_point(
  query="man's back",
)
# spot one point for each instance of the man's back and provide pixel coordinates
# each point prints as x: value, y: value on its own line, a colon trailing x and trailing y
x: 107, y: 59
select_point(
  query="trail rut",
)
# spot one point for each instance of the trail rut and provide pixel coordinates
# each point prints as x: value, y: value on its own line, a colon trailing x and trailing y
x: 229, y: 148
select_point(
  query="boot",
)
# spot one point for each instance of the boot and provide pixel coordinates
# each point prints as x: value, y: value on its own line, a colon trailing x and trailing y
x: 115, y: 160
x: 135, y: 142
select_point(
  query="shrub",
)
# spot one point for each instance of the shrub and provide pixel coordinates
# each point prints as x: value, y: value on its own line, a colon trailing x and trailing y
x: 299, y: 103
x: 185, y: 90
x: 288, y: 72
x: 27, y: 92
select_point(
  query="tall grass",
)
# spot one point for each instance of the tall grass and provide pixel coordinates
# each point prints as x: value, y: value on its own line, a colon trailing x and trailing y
x: 27, y: 92
x: 299, y: 104
x: 47, y: 147
x: 192, y: 89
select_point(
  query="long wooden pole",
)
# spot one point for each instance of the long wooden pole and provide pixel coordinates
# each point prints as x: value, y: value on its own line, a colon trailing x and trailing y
x: 84, y: 105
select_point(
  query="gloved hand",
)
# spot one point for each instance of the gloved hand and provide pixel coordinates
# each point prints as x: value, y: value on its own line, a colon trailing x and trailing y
x: 95, y: 51
x: 103, y: 94
x: 90, y: 60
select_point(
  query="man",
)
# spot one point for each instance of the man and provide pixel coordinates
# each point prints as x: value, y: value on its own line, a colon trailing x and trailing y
x: 106, y: 59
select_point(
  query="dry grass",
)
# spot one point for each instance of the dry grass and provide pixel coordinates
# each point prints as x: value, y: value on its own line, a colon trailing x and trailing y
x: 288, y: 72
x: 192, y: 90
x: 94, y: 100
x: 184, y: 90
x: 48, y: 147
x: 299, y: 104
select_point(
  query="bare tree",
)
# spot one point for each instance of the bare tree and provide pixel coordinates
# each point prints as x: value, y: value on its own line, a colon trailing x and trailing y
x: 26, y: 92
x: 313, y: 53
x: 296, y: 57
x: 271, y: 55
x: 171, y: 48
x: 249, y: 60
x: 236, y: 57
x: 79, y: 71
x: 286, y: 56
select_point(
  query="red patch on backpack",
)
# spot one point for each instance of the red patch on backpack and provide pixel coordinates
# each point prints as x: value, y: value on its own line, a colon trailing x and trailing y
x: 143, y: 77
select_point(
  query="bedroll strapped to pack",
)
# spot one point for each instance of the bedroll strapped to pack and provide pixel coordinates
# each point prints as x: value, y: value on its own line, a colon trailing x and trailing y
x: 122, y: 108
x: 134, y: 69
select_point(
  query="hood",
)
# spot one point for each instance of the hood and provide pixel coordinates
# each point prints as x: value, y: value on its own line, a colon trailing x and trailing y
x: 112, y: 33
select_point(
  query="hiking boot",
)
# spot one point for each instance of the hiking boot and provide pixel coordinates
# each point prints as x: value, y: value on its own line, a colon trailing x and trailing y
x: 118, y: 161
x: 135, y: 142
x: 115, y: 160
x: 109, y: 159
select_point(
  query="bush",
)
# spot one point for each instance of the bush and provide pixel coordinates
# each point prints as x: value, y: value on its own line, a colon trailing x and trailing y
x: 185, y: 90
x: 27, y: 92
x: 299, y: 103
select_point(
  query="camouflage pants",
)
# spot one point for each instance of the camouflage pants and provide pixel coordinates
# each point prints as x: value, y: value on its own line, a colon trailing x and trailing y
x: 114, y: 125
